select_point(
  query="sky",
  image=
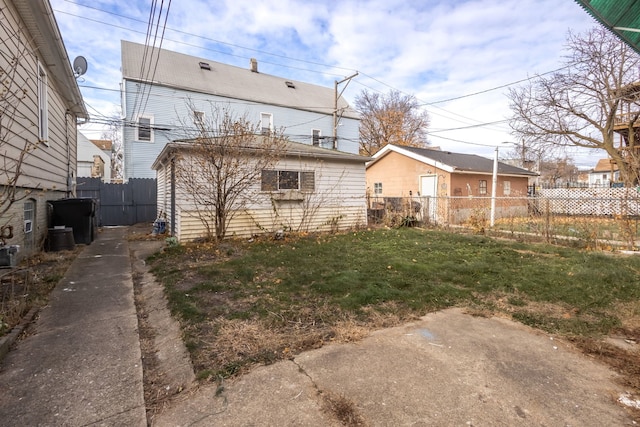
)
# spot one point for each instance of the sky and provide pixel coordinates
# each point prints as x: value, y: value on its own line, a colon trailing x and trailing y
x: 458, y: 58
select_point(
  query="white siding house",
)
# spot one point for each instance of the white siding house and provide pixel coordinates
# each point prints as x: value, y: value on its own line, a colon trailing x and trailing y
x: 330, y: 195
x: 604, y: 174
x: 159, y: 103
x: 93, y: 162
x: 41, y: 105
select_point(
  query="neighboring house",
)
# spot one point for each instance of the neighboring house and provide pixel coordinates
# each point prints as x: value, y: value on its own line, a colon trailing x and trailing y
x: 604, y: 174
x: 169, y: 100
x: 403, y: 172
x: 325, y: 191
x: 41, y: 105
x: 93, y: 161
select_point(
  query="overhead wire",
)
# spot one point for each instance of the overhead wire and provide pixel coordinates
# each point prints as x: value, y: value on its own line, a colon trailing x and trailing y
x: 424, y: 103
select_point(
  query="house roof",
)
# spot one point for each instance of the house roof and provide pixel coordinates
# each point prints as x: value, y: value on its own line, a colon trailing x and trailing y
x: 291, y: 149
x: 605, y: 165
x: 39, y: 21
x: 103, y: 144
x: 205, y: 76
x: 452, y: 162
x: 621, y: 17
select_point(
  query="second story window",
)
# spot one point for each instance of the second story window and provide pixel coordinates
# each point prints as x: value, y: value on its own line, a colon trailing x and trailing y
x: 144, y: 129
x: 266, y: 123
x: 315, y: 137
x: 43, y: 109
x: 198, y: 118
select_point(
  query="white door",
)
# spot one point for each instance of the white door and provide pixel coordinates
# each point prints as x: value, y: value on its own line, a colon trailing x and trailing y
x: 428, y: 192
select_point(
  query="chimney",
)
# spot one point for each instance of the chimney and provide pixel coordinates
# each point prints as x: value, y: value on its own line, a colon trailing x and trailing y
x: 254, y: 65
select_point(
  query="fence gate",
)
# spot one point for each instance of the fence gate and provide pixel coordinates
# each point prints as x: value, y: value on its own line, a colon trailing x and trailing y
x: 121, y: 204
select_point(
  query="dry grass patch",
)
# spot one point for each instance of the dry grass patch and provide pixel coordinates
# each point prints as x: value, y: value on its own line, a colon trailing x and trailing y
x: 30, y: 284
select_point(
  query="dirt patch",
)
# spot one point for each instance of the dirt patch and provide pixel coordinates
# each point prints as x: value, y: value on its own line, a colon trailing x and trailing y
x: 167, y: 371
x: 29, y: 284
x: 343, y: 409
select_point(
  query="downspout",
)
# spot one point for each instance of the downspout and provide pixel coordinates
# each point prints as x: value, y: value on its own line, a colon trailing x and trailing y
x: 70, y: 178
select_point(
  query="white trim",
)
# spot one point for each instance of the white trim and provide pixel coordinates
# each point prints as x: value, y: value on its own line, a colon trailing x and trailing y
x: 262, y: 116
x: 426, y: 160
x: 43, y: 105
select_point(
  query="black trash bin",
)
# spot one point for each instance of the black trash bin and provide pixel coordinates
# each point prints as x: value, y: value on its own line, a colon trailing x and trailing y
x: 79, y: 214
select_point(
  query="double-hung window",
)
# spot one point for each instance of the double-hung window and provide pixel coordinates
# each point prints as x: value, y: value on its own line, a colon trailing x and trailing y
x: 43, y: 109
x: 266, y: 123
x: 144, y: 129
x: 377, y: 188
x: 506, y: 188
x: 482, y: 187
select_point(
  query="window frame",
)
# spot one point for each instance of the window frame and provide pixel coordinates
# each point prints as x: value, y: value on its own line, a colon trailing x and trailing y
x: 482, y: 187
x: 198, y: 118
x: 377, y: 188
x: 264, y: 130
x: 316, y: 136
x: 506, y: 188
x: 28, y: 214
x: 43, y: 105
x: 272, y: 180
x: 139, y: 126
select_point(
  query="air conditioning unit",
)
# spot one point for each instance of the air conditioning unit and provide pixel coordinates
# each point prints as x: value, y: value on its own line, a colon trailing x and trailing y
x: 8, y: 256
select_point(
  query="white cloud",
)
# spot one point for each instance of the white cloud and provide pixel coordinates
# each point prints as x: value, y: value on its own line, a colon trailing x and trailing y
x: 436, y: 50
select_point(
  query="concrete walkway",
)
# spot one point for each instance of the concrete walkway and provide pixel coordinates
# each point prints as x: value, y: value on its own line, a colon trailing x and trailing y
x: 82, y: 364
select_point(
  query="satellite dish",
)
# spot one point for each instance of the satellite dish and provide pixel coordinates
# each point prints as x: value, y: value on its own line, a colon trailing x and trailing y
x: 79, y: 66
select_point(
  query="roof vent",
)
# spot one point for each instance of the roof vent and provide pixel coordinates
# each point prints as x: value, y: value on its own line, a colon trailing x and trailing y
x: 290, y: 85
x: 254, y: 65
x: 204, y: 66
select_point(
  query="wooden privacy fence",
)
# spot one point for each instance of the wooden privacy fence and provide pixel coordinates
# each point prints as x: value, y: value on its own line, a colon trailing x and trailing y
x: 121, y: 204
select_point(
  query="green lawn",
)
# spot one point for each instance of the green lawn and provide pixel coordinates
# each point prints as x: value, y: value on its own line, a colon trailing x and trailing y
x: 282, y: 297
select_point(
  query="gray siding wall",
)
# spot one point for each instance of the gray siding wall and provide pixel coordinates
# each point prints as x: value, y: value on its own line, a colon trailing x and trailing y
x: 45, y: 169
x: 170, y: 112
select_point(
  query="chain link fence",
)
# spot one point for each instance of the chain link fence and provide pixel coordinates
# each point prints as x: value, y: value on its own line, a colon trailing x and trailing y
x: 599, y: 218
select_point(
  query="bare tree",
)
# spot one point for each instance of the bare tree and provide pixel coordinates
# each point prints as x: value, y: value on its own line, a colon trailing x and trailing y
x: 113, y: 133
x: 14, y: 93
x: 219, y: 169
x: 390, y: 119
x: 581, y: 105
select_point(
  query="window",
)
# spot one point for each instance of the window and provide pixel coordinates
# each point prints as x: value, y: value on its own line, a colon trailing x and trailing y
x: 316, y: 137
x: 198, y: 119
x: 377, y: 188
x: 266, y: 123
x: 482, y: 187
x: 144, y: 129
x: 275, y: 180
x: 29, y: 208
x: 43, y: 110
x: 506, y: 188
x: 29, y: 216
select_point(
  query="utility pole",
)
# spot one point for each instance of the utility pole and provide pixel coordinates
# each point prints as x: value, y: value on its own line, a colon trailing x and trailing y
x: 494, y: 187
x: 336, y: 96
